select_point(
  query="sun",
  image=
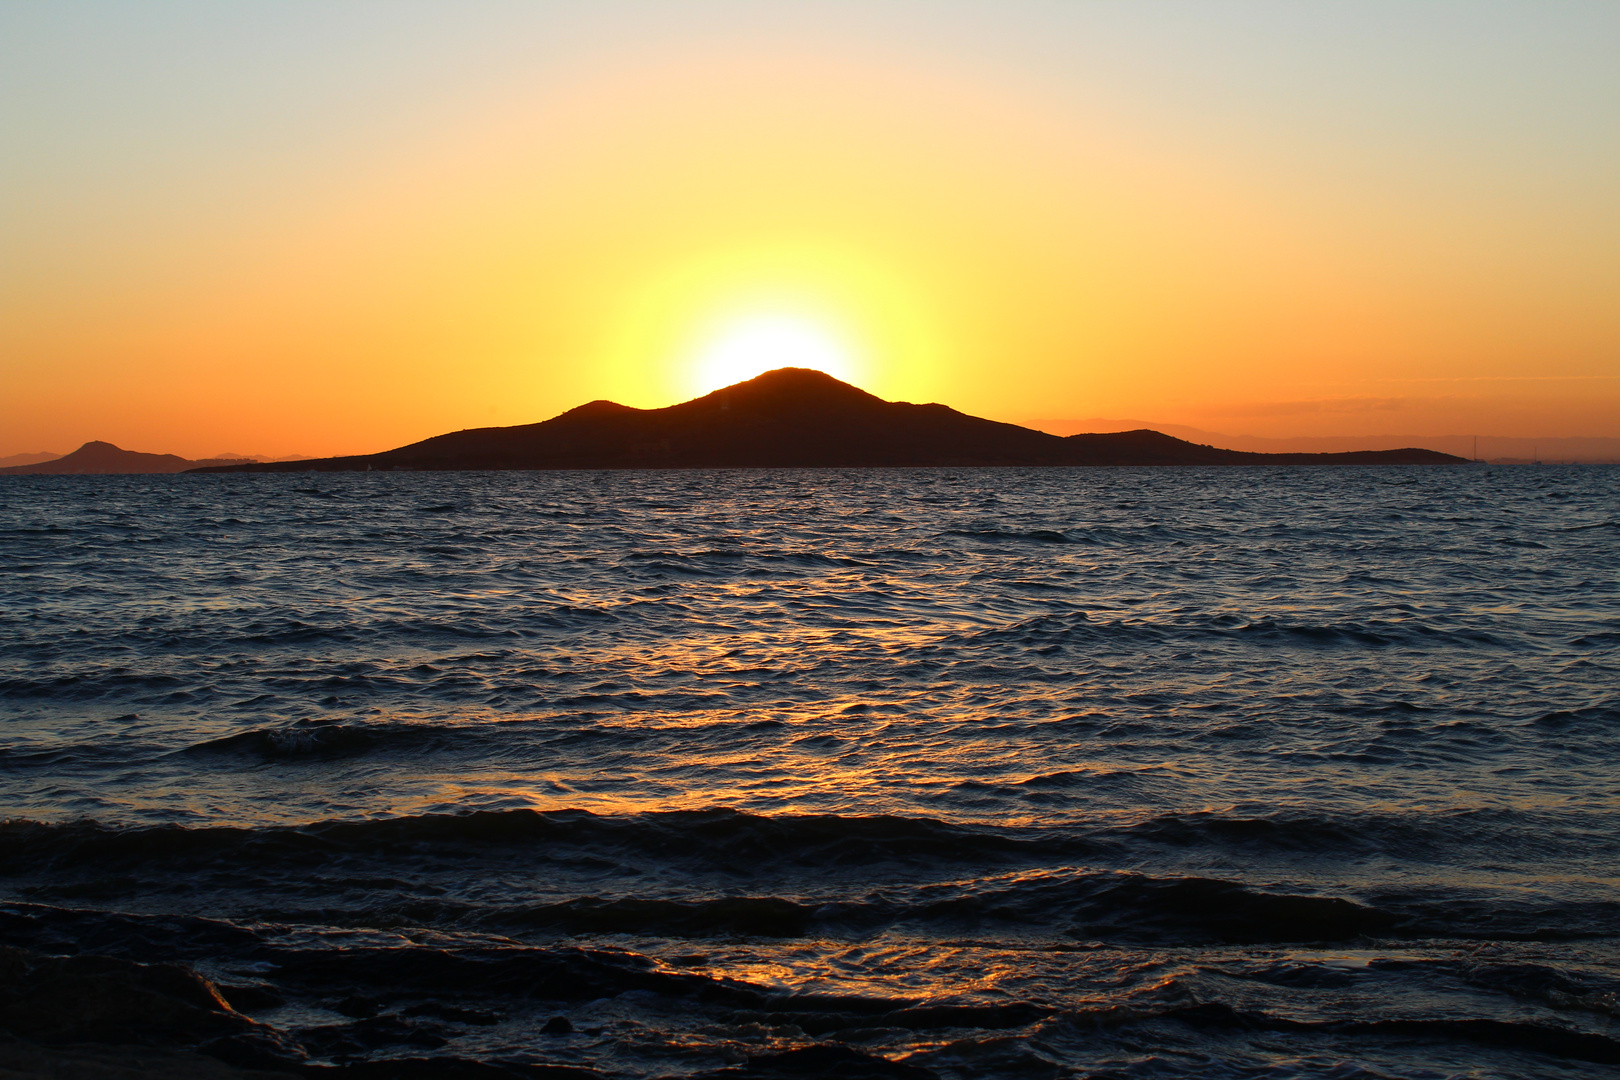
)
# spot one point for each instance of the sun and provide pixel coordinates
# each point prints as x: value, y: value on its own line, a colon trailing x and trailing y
x: 754, y: 344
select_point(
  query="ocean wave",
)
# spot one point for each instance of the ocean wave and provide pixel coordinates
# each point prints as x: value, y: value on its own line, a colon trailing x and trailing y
x: 77, y: 755
x: 1440, y: 836
x: 714, y: 837
x: 740, y: 842
x: 1522, y: 1035
x: 83, y: 687
x: 320, y: 739
x: 1027, y: 767
x: 1592, y: 718
x: 1111, y: 906
x: 374, y: 1002
x: 1091, y: 629
x: 1037, y: 536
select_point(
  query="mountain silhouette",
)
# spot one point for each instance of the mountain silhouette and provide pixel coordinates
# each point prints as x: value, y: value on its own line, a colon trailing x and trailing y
x: 797, y: 418
x: 26, y: 459
x: 103, y: 458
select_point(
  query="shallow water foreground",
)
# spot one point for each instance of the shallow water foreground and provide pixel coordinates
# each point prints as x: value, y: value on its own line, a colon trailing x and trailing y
x: 900, y: 773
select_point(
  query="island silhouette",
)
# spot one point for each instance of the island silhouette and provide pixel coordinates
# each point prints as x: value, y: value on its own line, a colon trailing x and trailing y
x: 97, y: 458
x: 797, y: 418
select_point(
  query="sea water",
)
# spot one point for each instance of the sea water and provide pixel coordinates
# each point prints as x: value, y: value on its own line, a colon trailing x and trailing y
x: 933, y: 773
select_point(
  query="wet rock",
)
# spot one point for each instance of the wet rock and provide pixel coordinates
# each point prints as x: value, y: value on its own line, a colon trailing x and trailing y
x: 102, y: 999
x: 822, y: 1060
x: 364, y: 1036
x: 569, y: 974
x: 252, y: 1050
x: 22, y: 1059
x: 447, y: 1069
x: 453, y: 1014
x: 249, y: 999
x: 356, y: 1007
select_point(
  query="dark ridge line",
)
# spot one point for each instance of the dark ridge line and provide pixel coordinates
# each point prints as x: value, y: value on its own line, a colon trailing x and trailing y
x: 796, y: 418
x: 96, y: 458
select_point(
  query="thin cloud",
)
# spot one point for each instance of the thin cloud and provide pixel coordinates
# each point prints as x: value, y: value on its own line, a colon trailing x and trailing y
x: 1485, y: 378
x: 1300, y: 408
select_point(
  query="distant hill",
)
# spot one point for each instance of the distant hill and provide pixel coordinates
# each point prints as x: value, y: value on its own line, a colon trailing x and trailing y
x: 795, y: 418
x: 27, y: 459
x: 103, y: 458
x: 1502, y: 449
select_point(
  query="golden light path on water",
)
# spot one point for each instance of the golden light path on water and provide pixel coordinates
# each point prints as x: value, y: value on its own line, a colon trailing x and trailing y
x: 920, y: 768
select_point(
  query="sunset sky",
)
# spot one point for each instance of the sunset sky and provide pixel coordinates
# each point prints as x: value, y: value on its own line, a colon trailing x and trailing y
x: 318, y: 228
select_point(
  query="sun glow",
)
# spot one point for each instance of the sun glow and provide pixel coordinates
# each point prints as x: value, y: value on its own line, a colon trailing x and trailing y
x: 749, y: 346
x: 698, y: 320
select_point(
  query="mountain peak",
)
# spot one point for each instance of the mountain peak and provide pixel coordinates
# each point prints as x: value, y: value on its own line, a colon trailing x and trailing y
x: 98, y: 457
x: 806, y: 385
x: 599, y: 407
x: 792, y: 376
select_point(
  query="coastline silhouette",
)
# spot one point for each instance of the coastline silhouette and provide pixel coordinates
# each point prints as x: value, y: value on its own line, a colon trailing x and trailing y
x: 797, y: 418
x: 96, y: 458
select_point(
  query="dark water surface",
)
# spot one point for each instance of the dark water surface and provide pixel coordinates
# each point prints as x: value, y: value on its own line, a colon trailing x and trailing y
x: 951, y: 773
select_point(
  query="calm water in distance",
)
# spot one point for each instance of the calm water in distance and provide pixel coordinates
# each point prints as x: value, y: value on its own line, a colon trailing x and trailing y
x: 1027, y: 772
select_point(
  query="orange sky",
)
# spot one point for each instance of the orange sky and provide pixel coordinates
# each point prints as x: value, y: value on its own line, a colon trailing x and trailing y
x: 280, y: 229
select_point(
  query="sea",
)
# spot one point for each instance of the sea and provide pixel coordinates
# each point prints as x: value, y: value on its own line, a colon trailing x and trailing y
x: 932, y: 773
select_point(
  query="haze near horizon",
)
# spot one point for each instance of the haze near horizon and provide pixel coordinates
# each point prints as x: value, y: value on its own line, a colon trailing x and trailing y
x: 279, y: 229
